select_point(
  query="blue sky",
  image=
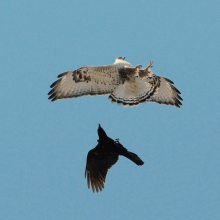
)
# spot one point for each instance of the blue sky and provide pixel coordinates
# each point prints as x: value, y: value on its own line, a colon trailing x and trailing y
x: 43, y: 145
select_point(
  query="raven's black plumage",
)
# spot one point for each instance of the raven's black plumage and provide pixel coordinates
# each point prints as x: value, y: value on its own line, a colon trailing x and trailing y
x: 102, y: 157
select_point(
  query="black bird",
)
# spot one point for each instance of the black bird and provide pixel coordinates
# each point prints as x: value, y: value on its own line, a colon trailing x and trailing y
x: 102, y: 157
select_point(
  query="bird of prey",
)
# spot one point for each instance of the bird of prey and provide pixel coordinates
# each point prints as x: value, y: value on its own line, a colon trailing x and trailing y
x: 103, y: 157
x: 124, y: 83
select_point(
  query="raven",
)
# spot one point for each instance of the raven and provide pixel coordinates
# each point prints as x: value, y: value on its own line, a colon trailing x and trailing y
x: 103, y: 157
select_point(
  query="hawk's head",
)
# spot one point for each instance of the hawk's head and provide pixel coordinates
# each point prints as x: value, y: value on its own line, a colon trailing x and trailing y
x: 120, y: 58
x: 121, y: 61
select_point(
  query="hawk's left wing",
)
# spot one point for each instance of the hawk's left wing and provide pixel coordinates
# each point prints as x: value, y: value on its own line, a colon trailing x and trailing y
x: 163, y: 91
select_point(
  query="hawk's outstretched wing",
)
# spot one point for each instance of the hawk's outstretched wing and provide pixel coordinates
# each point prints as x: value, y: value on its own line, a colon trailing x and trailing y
x: 85, y: 81
x: 163, y: 92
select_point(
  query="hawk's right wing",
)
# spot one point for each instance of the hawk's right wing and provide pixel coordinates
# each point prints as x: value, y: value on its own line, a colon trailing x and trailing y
x: 88, y: 80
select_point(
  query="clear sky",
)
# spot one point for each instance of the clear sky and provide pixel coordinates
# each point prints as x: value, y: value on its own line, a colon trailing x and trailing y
x: 43, y: 145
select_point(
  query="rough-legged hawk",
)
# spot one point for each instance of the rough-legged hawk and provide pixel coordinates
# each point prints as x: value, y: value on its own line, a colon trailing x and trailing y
x: 126, y: 84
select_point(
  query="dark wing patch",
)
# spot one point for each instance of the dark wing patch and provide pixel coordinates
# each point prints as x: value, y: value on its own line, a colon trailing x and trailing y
x: 127, y: 73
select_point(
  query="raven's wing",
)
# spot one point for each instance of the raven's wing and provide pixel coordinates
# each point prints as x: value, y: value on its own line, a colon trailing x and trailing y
x: 97, y: 166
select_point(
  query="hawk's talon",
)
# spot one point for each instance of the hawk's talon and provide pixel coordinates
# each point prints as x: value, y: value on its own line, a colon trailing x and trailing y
x: 150, y: 65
